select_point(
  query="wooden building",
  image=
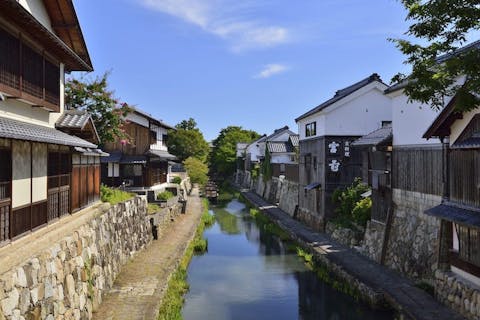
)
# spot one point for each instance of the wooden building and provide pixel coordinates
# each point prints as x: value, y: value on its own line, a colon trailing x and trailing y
x: 459, y: 211
x: 141, y: 162
x: 326, y: 160
x: 46, y: 173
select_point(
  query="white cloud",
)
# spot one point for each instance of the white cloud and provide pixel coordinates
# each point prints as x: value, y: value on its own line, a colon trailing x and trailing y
x: 226, y: 19
x: 271, y: 70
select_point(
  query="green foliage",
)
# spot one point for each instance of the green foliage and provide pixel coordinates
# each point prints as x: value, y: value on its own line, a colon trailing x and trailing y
x: 362, y: 211
x: 187, y: 141
x: 224, y: 154
x: 165, y: 195
x: 263, y: 222
x: 226, y: 194
x: 152, y: 208
x: 114, y: 196
x: 197, y: 170
x: 266, y: 166
x: 307, y: 257
x: 95, y: 97
x: 350, y: 206
x: 255, y: 171
x: 443, y: 27
x: 173, y: 300
x: 177, y: 180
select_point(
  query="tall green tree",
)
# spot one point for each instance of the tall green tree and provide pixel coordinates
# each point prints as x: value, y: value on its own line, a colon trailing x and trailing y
x: 94, y: 96
x: 197, y: 170
x: 443, y: 25
x: 187, y: 141
x: 223, y: 155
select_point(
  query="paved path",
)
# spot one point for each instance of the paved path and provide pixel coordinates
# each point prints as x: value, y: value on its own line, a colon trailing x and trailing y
x: 141, y: 285
x: 399, y: 291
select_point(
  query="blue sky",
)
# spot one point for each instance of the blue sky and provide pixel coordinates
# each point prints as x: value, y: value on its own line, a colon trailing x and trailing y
x: 257, y: 64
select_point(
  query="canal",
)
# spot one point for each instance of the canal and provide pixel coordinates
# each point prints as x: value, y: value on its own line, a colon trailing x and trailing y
x: 249, y: 273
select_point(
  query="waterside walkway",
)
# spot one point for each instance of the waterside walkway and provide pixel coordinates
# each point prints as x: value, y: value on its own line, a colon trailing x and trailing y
x: 142, y: 283
x: 400, y: 292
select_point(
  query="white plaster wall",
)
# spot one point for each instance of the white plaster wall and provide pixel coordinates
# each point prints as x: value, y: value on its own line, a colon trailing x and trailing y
x: 282, y: 137
x: 357, y: 114
x: 459, y: 125
x: 410, y: 121
x: 20, y: 173
x: 159, y: 144
x: 256, y: 150
x: 39, y: 168
x: 14, y: 109
x: 55, y: 115
x: 137, y: 119
x: 282, y: 158
x: 38, y: 10
x: 319, y: 118
x: 360, y: 116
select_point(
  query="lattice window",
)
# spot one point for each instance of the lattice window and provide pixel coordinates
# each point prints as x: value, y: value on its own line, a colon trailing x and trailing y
x: 469, y: 244
x: 32, y: 72
x: 52, y: 83
x: 9, y: 60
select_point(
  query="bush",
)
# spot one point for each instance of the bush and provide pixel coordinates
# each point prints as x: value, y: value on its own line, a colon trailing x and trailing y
x: 164, y: 196
x: 350, y: 206
x: 114, y: 196
x: 197, y: 170
x: 177, y: 180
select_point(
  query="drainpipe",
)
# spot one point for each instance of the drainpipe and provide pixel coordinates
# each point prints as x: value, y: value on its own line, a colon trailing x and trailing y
x: 445, y: 168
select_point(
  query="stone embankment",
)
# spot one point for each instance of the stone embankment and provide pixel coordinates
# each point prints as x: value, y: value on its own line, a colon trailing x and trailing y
x: 64, y: 271
x: 375, y: 282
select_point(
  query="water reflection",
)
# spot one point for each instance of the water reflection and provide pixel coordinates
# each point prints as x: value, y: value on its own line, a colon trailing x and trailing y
x: 249, y: 274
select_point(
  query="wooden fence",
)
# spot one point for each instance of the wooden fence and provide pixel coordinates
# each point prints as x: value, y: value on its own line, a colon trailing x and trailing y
x: 418, y: 169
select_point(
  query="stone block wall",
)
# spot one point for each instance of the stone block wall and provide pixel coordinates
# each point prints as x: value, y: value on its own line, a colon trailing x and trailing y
x: 414, y: 236
x: 373, y: 240
x: 458, y: 293
x: 68, y: 279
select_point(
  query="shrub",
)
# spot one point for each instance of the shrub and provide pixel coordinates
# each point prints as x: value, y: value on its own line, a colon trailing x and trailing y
x: 177, y: 180
x: 114, y: 196
x: 164, y: 196
x: 152, y: 208
x: 350, y: 206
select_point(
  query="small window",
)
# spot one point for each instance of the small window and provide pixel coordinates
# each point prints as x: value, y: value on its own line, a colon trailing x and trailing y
x: 315, y: 163
x: 311, y: 129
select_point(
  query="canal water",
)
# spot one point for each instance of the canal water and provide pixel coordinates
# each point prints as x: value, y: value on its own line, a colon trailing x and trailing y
x: 249, y: 273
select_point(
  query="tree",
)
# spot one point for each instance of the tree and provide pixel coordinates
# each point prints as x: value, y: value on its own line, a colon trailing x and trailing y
x: 197, y: 170
x: 95, y: 97
x: 223, y: 155
x: 187, y: 141
x: 438, y: 65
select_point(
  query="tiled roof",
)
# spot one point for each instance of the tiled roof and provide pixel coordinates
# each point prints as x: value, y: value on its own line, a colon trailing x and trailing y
x: 73, y: 119
x: 162, y: 154
x: 469, y: 143
x: 277, y: 132
x: 149, y: 116
x: 340, y: 94
x: 375, y: 138
x: 279, y: 147
x: 15, y: 129
x: 134, y: 159
x: 455, y: 213
x: 294, y: 139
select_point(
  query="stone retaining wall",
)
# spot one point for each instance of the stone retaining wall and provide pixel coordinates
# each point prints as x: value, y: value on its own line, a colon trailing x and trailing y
x: 68, y: 279
x: 413, y: 242
x: 457, y: 293
x: 345, y: 236
x: 373, y: 240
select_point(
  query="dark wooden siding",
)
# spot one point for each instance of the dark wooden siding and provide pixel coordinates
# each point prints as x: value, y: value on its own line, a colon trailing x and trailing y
x: 26, y: 73
x: 139, y: 140
x: 290, y: 171
x: 85, y: 187
x: 418, y: 169
x: 465, y: 177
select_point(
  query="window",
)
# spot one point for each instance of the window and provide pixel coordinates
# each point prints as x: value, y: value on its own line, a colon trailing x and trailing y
x: 113, y: 169
x: 315, y: 163
x: 468, y: 244
x: 25, y: 71
x: 311, y: 129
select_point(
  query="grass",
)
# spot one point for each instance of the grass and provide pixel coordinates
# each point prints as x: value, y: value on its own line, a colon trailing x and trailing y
x: 165, y: 195
x: 152, y: 208
x: 114, y: 196
x: 171, y: 308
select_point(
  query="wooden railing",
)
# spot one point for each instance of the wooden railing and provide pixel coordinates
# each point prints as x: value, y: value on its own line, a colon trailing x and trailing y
x: 5, y: 210
x: 4, y: 190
